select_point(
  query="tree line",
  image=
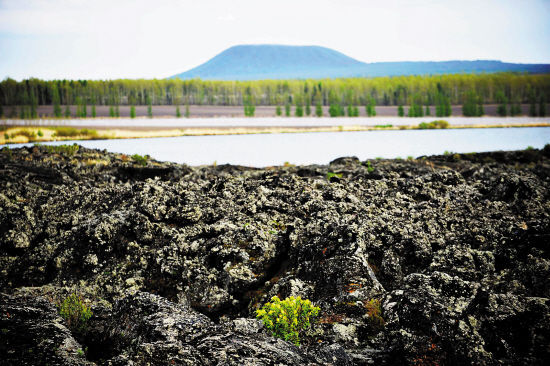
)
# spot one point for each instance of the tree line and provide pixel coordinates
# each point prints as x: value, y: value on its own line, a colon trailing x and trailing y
x: 383, y: 91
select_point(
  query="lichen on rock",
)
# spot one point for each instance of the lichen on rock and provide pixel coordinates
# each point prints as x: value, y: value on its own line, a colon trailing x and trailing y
x: 451, y: 252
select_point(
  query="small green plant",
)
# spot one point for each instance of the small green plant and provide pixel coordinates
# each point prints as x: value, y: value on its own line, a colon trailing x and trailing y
x: 141, y: 160
x: 40, y: 133
x: 370, y: 168
x: 62, y: 149
x: 287, y: 318
x: 374, y: 312
x: 333, y: 175
x: 80, y: 352
x: 433, y: 125
x: 530, y: 148
x: 75, y: 312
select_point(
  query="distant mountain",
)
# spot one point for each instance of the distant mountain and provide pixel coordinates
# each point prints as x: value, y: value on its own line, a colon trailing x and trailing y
x: 256, y: 62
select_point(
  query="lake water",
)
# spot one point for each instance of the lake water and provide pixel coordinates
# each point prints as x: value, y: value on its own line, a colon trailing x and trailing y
x: 320, y: 148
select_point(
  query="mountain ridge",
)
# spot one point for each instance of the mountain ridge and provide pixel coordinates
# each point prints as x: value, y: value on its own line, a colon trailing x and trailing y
x: 263, y: 61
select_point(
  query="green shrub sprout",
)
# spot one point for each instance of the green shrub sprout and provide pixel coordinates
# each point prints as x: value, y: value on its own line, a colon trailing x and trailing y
x: 61, y: 149
x: 287, y: 318
x: 141, y: 160
x: 334, y: 175
x: 75, y: 312
x: 433, y: 125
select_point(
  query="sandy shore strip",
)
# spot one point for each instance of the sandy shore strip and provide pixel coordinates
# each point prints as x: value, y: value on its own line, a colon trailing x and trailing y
x: 12, y: 134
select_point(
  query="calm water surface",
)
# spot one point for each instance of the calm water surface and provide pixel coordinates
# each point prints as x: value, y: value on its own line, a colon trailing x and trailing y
x: 320, y: 148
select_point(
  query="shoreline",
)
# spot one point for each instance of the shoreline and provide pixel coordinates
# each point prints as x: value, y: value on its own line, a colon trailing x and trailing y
x: 136, y: 132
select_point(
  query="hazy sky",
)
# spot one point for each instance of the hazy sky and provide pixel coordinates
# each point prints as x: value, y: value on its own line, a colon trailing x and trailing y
x: 99, y: 39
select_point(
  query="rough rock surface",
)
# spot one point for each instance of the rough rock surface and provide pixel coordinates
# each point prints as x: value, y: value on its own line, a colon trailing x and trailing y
x: 174, y: 260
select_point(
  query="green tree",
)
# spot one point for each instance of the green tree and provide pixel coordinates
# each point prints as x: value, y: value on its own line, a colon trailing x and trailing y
x: 350, y: 110
x: 249, y: 107
x: 532, y: 104
x: 428, y: 112
x: 111, y: 111
x: 84, y: 110
x: 132, y: 111
x: 400, y: 111
x: 335, y: 110
x: 34, y: 105
x: 117, y: 111
x: 299, y: 110
x: 415, y: 110
x: 447, y: 107
x: 187, y: 112
x: 149, y: 107
x: 412, y: 111
x: 439, y: 109
x: 480, y: 110
x: 308, y: 109
x: 318, y: 110
x: 94, y: 114
x: 56, y: 101
x: 469, y: 107
x: 287, y: 109
x: 443, y: 105
x: 515, y: 109
x: 371, y: 107
x: 278, y: 111
x: 78, y: 107
x: 502, y: 104
x: 67, y: 111
x: 178, y: 112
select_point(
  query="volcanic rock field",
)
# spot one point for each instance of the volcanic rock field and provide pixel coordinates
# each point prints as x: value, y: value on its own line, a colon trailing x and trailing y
x: 441, y: 260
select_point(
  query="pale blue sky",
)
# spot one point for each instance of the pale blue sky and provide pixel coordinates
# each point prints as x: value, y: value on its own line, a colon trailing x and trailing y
x: 101, y: 39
